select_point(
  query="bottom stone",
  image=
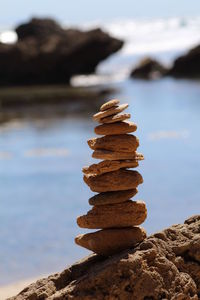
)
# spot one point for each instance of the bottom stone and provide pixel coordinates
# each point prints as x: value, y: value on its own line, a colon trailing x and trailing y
x: 109, y: 241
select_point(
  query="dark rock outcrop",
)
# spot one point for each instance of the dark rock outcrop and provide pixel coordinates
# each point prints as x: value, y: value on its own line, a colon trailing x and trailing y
x: 166, y: 265
x: 148, y: 69
x: 39, y: 29
x: 187, y: 66
x: 47, y: 54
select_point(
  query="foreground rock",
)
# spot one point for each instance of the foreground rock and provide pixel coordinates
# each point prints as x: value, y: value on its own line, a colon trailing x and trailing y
x: 166, y: 265
x: 148, y: 69
x: 187, y: 66
x: 45, y: 53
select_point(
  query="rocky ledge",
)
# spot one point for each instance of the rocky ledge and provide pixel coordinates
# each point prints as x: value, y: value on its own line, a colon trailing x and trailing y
x: 188, y: 65
x: 148, y: 69
x: 185, y: 66
x: 45, y: 53
x: 165, y: 265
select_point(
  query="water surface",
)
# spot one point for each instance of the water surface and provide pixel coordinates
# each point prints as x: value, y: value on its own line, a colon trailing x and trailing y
x: 41, y: 186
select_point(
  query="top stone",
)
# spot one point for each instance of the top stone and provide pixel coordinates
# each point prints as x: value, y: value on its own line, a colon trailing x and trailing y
x: 109, y: 112
x: 109, y: 104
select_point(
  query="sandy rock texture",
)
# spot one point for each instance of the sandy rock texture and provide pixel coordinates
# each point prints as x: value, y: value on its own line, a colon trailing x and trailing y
x: 125, y: 214
x: 120, y: 142
x: 165, y: 265
x: 112, y: 197
x: 119, y: 180
x: 109, y: 241
x: 109, y: 104
x: 106, y: 166
x: 115, y: 128
x: 115, y: 118
x: 115, y: 155
x: 109, y: 112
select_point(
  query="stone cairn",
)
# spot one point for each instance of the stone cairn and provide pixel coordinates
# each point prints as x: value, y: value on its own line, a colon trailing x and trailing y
x: 113, y: 212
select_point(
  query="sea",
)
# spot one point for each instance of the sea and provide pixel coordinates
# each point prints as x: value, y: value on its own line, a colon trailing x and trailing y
x: 41, y: 186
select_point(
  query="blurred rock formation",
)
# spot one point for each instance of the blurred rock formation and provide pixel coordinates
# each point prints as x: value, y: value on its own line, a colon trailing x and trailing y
x: 188, y: 65
x: 148, y: 69
x: 45, y: 53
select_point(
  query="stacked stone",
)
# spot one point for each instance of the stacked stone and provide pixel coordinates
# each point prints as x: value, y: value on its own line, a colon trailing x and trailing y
x: 113, y: 212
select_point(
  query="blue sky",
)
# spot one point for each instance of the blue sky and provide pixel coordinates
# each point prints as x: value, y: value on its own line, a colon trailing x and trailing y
x: 77, y: 11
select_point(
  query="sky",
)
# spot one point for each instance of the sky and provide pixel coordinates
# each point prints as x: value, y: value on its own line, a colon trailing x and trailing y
x: 13, y: 12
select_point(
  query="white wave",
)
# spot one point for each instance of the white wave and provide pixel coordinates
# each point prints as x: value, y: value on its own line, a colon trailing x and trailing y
x: 8, y: 37
x: 142, y: 36
x: 151, y: 36
x: 100, y: 79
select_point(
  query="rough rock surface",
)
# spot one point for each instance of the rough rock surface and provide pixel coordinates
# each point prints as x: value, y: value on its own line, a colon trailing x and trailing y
x: 125, y: 214
x: 109, y: 112
x: 45, y: 53
x: 115, y: 118
x: 119, y: 180
x: 114, y: 155
x: 188, y: 65
x: 106, y: 166
x: 166, y: 265
x: 121, y: 143
x: 112, y: 197
x: 115, y: 128
x: 109, y: 241
x: 148, y: 69
x: 109, y: 104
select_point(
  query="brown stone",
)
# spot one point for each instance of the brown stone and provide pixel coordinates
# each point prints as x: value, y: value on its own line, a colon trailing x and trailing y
x: 109, y: 104
x: 111, y: 111
x: 115, y: 128
x: 109, y: 166
x: 109, y: 241
x: 125, y: 214
x: 114, y: 155
x: 119, y: 180
x: 120, y: 143
x: 115, y: 118
x: 112, y: 197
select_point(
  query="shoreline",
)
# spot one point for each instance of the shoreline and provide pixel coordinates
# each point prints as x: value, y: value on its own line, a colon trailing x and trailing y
x: 12, y: 289
x: 33, y: 101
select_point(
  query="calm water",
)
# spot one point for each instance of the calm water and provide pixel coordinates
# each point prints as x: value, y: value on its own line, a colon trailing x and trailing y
x: 41, y: 187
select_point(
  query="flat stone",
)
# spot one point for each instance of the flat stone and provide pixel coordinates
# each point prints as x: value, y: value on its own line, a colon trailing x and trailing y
x: 120, y: 142
x: 109, y: 241
x: 112, y: 197
x: 109, y: 104
x: 119, y: 180
x: 115, y: 128
x: 111, y: 111
x: 125, y: 214
x: 114, y: 155
x: 106, y: 166
x: 115, y: 118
